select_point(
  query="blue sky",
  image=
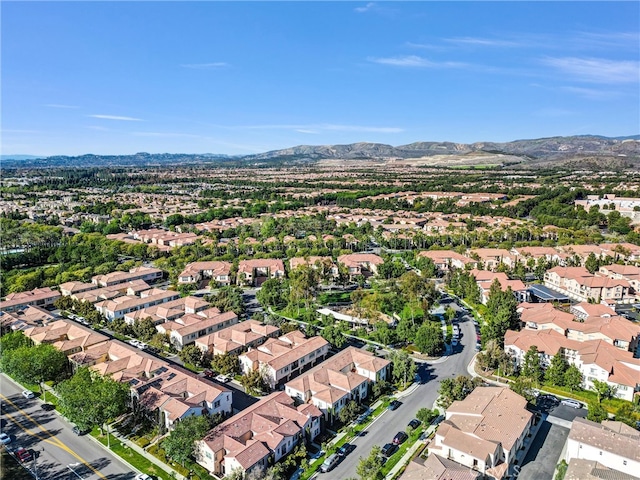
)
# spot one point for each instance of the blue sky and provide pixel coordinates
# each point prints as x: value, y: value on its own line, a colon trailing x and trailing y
x: 245, y: 77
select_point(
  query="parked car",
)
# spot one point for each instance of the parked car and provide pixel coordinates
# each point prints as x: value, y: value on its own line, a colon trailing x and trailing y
x: 454, y: 342
x: 346, y: 449
x: 47, y: 407
x: 223, y: 378
x: 389, y: 449
x: 330, y: 462
x: 28, y: 394
x: 79, y: 431
x: 4, y: 438
x: 415, y: 423
x: 568, y: 402
x: 394, y: 405
x: 23, y: 455
x: 143, y: 476
x: 400, y: 438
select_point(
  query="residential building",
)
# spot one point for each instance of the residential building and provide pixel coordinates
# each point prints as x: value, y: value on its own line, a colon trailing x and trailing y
x: 218, y: 272
x: 38, y: 297
x: 484, y: 431
x: 167, y: 311
x: 66, y: 336
x: 612, y: 444
x: 445, y: 260
x: 281, y: 359
x: 29, y: 317
x: 118, y: 307
x: 485, y: 278
x: 70, y: 288
x: 255, y: 272
x: 435, y: 467
x: 491, y: 258
x: 258, y: 436
x: 342, y: 377
x: 577, y: 283
x: 189, y: 328
x: 147, y: 274
x: 361, y: 263
x: 237, y: 338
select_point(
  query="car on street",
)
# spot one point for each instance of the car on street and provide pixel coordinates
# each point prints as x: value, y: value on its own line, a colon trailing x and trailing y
x: 346, y: 449
x: 415, y: 423
x: 394, y: 405
x: 143, y: 476
x: 4, y: 438
x: 223, y: 378
x: 79, y: 431
x: 23, y: 455
x: 330, y: 462
x: 28, y: 394
x: 400, y: 438
x: 389, y: 449
x: 47, y: 407
x: 568, y: 402
x: 454, y: 342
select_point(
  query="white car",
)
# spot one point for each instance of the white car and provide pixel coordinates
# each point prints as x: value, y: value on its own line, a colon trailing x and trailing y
x: 142, y: 476
x: 571, y: 403
x: 28, y: 394
x: 4, y: 438
x: 223, y: 379
x: 133, y: 342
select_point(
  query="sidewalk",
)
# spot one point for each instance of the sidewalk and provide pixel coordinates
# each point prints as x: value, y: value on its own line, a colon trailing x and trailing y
x: 408, y: 455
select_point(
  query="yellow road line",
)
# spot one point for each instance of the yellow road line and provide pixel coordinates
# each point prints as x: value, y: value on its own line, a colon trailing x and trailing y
x: 50, y: 439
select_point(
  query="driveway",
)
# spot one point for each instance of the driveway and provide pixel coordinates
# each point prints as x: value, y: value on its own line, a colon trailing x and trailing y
x: 544, y: 453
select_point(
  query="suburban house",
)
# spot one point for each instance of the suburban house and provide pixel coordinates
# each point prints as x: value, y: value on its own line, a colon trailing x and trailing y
x: 168, y: 311
x: 147, y: 274
x: 361, y: 263
x: 69, y: 288
x: 23, y: 319
x: 485, y: 278
x: 596, y: 359
x: 281, y: 359
x: 577, y: 283
x: 255, y: 272
x: 258, y: 436
x: 326, y: 263
x: 236, y: 338
x: 491, y: 258
x: 613, y: 445
x: 342, y: 377
x: 445, y: 260
x: 435, y: 467
x: 66, y: 336
x: 484, y: 431
x: 189, y: 328
x: 218, y: 272
x: 118, y: 307
x: 38, y: 297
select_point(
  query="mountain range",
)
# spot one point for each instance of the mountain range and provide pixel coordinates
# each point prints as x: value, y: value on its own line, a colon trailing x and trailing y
x: 597, y: 151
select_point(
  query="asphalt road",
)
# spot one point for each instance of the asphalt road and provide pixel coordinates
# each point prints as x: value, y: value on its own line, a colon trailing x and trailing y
x: 384, y: 428
x: 56, y: 449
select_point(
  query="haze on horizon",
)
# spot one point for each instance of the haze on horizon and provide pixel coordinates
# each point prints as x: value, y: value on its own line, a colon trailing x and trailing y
x: 241, y: 77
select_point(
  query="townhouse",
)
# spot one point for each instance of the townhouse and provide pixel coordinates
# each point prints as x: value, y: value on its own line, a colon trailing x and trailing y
x: 216, y: 271
x: 236, y: 338
x: 445, y: 260
x: 596, y: 359
x: 168, y: 311
x: 322, y: 263
x: 258, y: 436
x: 255, y: 272
x: 343, y: 377
x: 71, y: 288
x: 491, y: 258
x: 23, y: 319
x: 38, y: 297
x: 118, y: 307
x: 283, y: 358
x: 485, y: 278
x: 361, y: 263
x: 484, y: 431
x: 147, y: 274
x: 613, y: 445
x: 578, y: 284
x: 65, y: 336
x: 189, y: 328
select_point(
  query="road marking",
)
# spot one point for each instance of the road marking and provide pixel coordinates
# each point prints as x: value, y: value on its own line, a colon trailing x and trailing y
x: 50, y: 439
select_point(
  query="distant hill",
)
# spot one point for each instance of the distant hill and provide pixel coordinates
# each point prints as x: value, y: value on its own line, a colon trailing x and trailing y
x: 18, y: 157
x: 597, y: 151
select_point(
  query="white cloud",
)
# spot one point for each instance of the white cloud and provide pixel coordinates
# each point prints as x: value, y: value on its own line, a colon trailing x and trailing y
x: 597, y: 70
x: 116, y: 117
x: 205, y: 66
x: 369, y: 6
x: 306, y: 130
x: 482, y: 42
x: 592, y: 93
x: 58, y: 105
x: 415, y: 61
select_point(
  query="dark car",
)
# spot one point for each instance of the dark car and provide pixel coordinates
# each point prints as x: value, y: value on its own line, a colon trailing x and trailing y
x: 346, y: 449
x: 400, y: 438
x: 80, y: 431
x: 47, y: 407
x: 415, y: 423
x: 389, y: 449
x: 24, y: 455
x: 393, y: 405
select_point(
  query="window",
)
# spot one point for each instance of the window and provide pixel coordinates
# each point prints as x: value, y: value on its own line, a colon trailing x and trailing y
x: 208, y: 455
x: 624, y: 462
x: 216, y: 404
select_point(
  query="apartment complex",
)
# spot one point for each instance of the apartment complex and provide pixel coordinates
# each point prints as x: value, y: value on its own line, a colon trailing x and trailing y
x: 578, y: 284
x: 236, y: 338
x: 147, y: 274
x: 38, y: 297
x: 255, y: 272
x: 118, y: 307
x: 258, y: 436
x: 216, y: 271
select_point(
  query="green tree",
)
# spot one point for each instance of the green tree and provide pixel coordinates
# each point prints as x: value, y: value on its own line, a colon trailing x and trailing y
x: 428, y: 338
x: 556, y: 370
x: 35, y: 364
x: 273, y: 293
x: 426, y: 416
x: 592, y: 263
x: 349, y: 412
x: 254, y: 382
x: 456, y: 389
x: 89, y: 399
x: 13, y: 340
x: 180, y: 444
x: 573, y: 378
x: 402, y: 366
x: 226, y: 364
x: 228, y: 299
x: 626, y: 413
x: 597, y: 413
x: 524, y: 386
x: 332, y: 333
x: 369, y: 468
x: 603, y: 389
x: 191, y: 354
x: 531, y: 365
x: 144, y: 329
